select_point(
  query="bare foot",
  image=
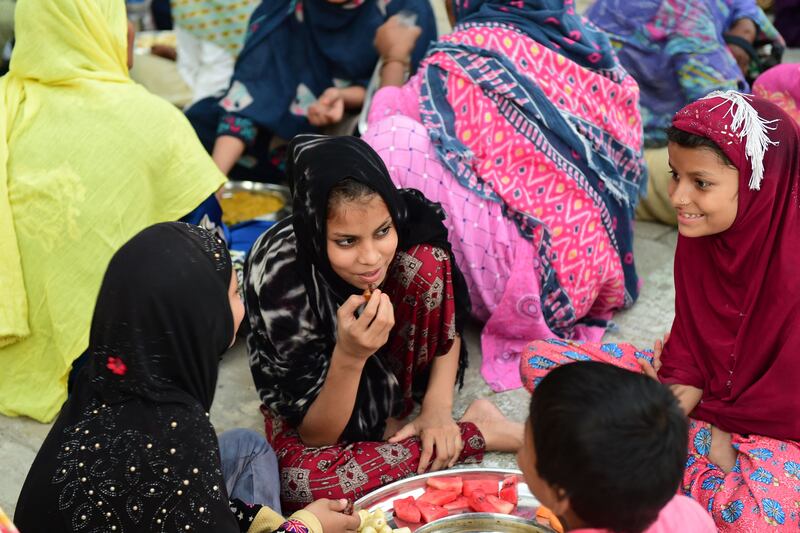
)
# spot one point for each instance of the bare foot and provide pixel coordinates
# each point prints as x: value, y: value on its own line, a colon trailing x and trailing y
x: 500, y: 433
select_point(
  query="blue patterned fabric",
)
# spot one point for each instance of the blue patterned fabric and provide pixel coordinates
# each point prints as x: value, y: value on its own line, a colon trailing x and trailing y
x: 296, y: 49
x: 553, y: 23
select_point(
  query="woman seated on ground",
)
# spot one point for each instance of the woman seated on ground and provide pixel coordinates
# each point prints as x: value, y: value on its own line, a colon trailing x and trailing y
x: 89, y: 159
x: 303, y: 64
x: 538, y: 172
x: 341, y: 371
x: 209, y: 35
x: 677, y: 52
x: 731, y: 357
x: 133, y: 448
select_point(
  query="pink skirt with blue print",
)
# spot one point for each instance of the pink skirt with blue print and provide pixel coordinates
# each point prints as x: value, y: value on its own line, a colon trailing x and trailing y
x: 761, y: 493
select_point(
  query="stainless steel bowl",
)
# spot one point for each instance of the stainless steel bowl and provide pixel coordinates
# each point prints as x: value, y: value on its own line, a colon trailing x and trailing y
x: 280, y: 191
x: 483, y: 523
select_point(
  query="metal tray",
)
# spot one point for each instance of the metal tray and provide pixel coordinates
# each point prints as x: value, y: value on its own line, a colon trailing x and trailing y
x: 281, y: 191
x: 483, y: 523
x: 384, y: 497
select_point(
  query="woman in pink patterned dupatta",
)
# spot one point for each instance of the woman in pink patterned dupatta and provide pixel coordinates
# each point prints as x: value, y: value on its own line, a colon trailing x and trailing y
x: 522, y: 124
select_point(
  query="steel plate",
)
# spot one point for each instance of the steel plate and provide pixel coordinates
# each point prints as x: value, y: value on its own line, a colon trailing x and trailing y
x: 384, y: 497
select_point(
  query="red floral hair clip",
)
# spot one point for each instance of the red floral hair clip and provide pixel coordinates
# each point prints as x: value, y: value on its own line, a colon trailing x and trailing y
x: 116, y: 365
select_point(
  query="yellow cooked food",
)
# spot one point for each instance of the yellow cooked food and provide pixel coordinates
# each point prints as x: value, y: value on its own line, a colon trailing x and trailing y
x: 240, y: 206
x: 148, y: 39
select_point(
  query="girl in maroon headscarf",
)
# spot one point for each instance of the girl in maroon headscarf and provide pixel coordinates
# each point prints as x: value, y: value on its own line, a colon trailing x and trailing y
x: 731, y: 356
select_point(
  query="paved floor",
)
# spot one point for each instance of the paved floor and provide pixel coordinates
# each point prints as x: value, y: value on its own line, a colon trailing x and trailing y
x: 236, y: 403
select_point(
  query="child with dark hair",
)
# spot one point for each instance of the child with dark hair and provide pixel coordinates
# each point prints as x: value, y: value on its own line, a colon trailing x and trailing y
x: 730, y: 357
x: 605, y: 449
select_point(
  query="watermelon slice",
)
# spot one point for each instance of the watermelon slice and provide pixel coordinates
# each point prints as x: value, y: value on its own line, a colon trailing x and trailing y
x: 501, y: 506
x: 430, y: 512
x: 508, y: 490
x: 478, y: 502
x: 450, y: 483
x: 487, y: 486
x: 459, y: 503
x: 406, y: 510
x: 438, y: 497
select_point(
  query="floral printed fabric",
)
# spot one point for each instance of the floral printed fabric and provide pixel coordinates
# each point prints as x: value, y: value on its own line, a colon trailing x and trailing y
x: 761, y: 493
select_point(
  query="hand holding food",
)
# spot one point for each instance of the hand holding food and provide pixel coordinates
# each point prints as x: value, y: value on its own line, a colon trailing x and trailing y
x: 332, y: 516
x: 363, y: 336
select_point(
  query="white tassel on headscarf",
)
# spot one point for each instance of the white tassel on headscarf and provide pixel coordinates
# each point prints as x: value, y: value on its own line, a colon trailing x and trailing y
x: 751, y: 128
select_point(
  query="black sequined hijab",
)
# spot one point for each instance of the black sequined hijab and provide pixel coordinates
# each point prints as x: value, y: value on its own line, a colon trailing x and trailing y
x: 133, y: 449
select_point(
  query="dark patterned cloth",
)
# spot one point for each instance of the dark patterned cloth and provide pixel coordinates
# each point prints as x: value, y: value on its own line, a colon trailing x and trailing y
x: 292, y: 293
x: 133, y: 448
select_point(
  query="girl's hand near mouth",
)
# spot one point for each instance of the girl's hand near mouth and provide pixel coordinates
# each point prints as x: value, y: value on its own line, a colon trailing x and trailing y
x: 361, y: 337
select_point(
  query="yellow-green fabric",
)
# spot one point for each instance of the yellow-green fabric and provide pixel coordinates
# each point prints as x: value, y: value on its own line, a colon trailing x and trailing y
x: 87, y: 159
x: 657, y: 207
x: 267, y: 521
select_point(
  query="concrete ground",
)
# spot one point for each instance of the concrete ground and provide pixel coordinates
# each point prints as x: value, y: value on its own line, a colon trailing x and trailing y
x: 236, y: 403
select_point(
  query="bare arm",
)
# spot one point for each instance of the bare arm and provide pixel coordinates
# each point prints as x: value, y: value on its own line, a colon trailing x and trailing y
x: 439, y: 396
x: 353, y: 97
x: 227, y: 151
x: 330, y: 411
x: 435, y: 426
x: 394, y: 42
x: 330, y: 107
x: 358, y: 338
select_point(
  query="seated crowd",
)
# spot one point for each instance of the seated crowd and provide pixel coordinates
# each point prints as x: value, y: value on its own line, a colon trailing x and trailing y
x: 495, y: 180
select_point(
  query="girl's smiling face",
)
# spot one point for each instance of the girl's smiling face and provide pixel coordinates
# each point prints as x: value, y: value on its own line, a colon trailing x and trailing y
x: 704, y: 190
x: 362, y: 240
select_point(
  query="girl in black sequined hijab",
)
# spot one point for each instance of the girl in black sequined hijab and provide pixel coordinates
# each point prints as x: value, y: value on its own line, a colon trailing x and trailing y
x: 133, y: 449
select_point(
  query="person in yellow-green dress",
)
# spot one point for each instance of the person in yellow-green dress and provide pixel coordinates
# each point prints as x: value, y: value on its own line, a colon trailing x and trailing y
x: 87, y: 159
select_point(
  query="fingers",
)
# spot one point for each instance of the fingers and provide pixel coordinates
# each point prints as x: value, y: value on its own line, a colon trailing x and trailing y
x: 370, y: 310
x: 349, y: 307
x: 351, y: 522
x: 444, y: 450
x: 337, y: 505
x: 384, y: 319
x: 648, y: 369
x: 427, y: 452
x: 458, y: 446
x: 406, y: 432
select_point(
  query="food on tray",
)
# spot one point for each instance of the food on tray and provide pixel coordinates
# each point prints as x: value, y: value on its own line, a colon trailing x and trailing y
x: 547, y: 515
x: 406, y: 510
x: 447, y: 494
x: 240, y: 206
x: 452, y: 483
x: 430, y: 512
x: 375, y: 522
x: 488, y: 486
x: 509, y: 490
x: 438, y: 497
x: 459, y: 503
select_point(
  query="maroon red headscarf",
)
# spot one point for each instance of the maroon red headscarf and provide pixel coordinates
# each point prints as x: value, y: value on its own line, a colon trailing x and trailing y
x: 736, y: 333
